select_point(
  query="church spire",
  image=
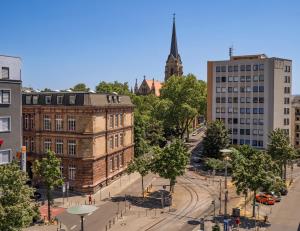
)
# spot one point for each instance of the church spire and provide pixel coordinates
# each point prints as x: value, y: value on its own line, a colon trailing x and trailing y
x: 174, y: 49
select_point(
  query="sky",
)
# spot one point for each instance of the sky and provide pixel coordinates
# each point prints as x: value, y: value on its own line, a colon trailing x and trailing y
x: 65, y: 42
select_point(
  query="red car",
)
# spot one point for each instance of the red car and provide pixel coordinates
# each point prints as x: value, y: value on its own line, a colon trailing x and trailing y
x: 265, y: 199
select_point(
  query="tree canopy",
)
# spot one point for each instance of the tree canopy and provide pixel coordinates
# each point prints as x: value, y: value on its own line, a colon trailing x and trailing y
x: 17, y: 209
x: 106, y: 87
x: 216, y: 138
x: 80, y: 87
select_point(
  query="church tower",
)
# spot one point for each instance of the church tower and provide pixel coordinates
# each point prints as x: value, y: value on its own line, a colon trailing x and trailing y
x: 173, y: 64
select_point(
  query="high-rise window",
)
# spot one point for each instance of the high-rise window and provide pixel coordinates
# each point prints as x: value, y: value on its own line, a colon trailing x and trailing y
x: 72, y: 172
x: 71, y: 123
x: 5, y: 73
x: 5, y: 124
x: 4, y: 96
x: 72, y: 147
x: 59, y: 149
x: 242, y: 68
x: 47, y: 123
x: 248, y: 67
x: 47, y: 145
x: 58, y: 123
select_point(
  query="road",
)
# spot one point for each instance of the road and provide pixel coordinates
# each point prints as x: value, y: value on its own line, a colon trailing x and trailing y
x: 286, y: 215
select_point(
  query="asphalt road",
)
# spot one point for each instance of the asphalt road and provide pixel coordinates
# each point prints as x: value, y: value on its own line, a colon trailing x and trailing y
x: 286, y: 215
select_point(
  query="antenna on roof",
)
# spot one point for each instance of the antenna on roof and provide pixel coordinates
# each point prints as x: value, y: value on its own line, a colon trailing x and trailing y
x: 230, y: 51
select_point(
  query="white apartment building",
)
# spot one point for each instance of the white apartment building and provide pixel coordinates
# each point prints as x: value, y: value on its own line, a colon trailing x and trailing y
x: 251, y: 94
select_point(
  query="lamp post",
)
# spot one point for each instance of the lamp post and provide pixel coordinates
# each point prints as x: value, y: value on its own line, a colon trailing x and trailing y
x: 81, y: 211
x: 225, y: 153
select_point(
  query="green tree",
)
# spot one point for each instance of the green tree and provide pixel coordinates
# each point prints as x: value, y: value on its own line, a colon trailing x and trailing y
x: 48, y: 170
x: 182, y: 100
x: 106, y: 87
x: 215, y: 164
x: 46, y: 90
x: 253, y: 170
x: 216, y: 138
x: 142, y: 165
x: 16, y: 207
x: 170, y: 162
x: 281, y: 150
x: 80, y: 87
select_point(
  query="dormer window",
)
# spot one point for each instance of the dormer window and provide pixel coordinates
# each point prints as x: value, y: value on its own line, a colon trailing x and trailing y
x: 118, y: 99
x: 108, y: 98
x: 113, y: 98
x: 59, y: 99
x: 28, y: 99
x: 72, y: 99
x: 48, y: 99
x: 35, y: 99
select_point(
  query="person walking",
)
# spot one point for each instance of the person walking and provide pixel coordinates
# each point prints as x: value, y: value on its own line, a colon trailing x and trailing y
x: 90, y: 199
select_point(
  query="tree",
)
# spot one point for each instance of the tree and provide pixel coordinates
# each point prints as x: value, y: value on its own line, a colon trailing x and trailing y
x: 215, y: 164
x: 80, y: 87
x: 182, y: 99
x: 47, y: 90
x: 253, y: 170
x: 48, y: 170
x: 216, y: 138
x: 17, y: 209
x: 142, y: 165
x: 120, y: 88
x: 171, y: 161
x: 280, y: 149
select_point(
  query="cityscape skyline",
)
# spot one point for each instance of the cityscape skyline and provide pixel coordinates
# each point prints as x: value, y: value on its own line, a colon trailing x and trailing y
x: 135, y: 41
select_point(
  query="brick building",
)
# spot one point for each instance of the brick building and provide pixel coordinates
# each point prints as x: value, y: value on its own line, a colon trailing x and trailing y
x: 91, y: 133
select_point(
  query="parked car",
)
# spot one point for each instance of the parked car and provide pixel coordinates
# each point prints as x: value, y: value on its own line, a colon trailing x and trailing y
x: 265, y: 199
x: 283, y: 191
x: 276, y: 196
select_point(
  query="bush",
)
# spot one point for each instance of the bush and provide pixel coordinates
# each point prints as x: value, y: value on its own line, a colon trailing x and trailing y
x: 216, y: 228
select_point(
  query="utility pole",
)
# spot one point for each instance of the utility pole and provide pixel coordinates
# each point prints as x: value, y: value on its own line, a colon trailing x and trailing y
x: 226, y: 190
x: 220, y: 197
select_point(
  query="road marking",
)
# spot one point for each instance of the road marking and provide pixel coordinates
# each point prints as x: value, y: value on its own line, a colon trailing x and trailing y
x: 73, y: 227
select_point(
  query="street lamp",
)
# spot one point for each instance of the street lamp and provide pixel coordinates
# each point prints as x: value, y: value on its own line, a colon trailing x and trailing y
x: 81, y: 210
x: 226, y: 153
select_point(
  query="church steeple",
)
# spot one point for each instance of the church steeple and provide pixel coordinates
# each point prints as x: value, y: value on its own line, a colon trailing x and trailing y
x: 173, y: 64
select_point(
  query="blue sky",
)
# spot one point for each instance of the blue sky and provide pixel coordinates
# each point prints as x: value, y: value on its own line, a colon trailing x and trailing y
x: 64, y: 42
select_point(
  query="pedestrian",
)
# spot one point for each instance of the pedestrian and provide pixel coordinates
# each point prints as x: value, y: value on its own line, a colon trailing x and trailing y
x: 90, y: 199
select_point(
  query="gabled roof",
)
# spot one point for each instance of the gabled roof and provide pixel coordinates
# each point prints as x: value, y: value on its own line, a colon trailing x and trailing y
x: 157, y: 86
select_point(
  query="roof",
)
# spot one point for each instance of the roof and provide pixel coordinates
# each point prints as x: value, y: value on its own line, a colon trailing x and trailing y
x: 174, y: 49
x: 157, y: 86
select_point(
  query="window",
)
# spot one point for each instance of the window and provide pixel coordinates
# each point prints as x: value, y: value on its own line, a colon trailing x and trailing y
x: 72, y: 172
x: 261, y: 78
x: 72, y: 99
x: 26, y: 122
x: 248, y: 78
x: 117, y: 120
x: 248, y: 67
x: 229, y: 99
x: 71, y: 124
x: 217, y: 110
x: 261, y: 89
x: 230, y: 79
x: 223, y: 99
x: 236, y: 78
x: 4, y: 124
x: 59, y: 146
x: 242, y: 89
x: 35, y: 99
x: 286, y: 90
x: 242, y: 78
x: 116, y: 141
x: 235, y: 110
x: 48, y: 99
x: 230, y: 68
x: 248, y: 111
x: 110, y: 164
x: 223, y: 68
x: 248, y: 100
x: 223, y: 79
x: 58, y: 123
x: 235, y: 90
x: 242, y: 68
x: 235, y: 121
x: 28, y: 99
x: 255, y: 67
x: 286, y: 100
x: 255, y: 110
x: 248, y: 89
x: 255, y: 78
x: 223, y: 89
x: 248, y: 121
x: 47, y: 145
x: 218, y: 100
x: 121, y: 119
x: 255, y: 99
x: 242, y: 99
x: 32, y: 146
x: 223, y: 110
x: 4, y: 156
x: 255, y: 88
x: 261, y: 110
x: 235, y: 100
x: 4, y: 96
x: 229, y: 120
x: 5, y: 73
x: 47, y: 123
x: 236, y: 68
x: 286, y: 121
x: 111, y: 121
x: 261, y: 67
x: 242, y: 110
x: 286, y: 111
x: 287, y: 68
x: 72, y: 147
x: 230, y: 110
x: 287, y: 79
x: 242, y: 120
x: 111, y: 142
x: 61, y: 170
x: 255, y: 132
x: 121, y: 139
x: 218, y: 68
x: 59, y: 99
x: 235, y: 131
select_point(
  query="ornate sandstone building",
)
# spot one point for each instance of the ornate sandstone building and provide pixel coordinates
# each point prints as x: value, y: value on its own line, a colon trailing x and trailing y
x: 91, y: 133
x: 173, y: 67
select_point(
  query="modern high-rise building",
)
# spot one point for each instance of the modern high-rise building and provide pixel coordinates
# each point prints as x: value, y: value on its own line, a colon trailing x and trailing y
x: 295, y: 124
x: 251, y: 94
x: 10, y: 108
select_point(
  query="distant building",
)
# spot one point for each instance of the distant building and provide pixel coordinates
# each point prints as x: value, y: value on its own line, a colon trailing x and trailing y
x: 251, y: 94
x: 10, y: 108
x: 91, y: 133
x: 173, y: 67
x: 148, y: 87
x: 295, y: 124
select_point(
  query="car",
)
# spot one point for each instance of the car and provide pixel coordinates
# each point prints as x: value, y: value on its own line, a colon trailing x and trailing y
x: 283, y: 191
x: 276, y: 196
x: 265, y: 199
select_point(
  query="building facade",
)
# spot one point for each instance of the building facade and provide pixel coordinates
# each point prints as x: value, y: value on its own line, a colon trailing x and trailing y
x: 10, y: 108
x: 148, y: 87
x: 91, y: 133
x: 295, y: 124
x: 251, y: 94
x: 173, y: 64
